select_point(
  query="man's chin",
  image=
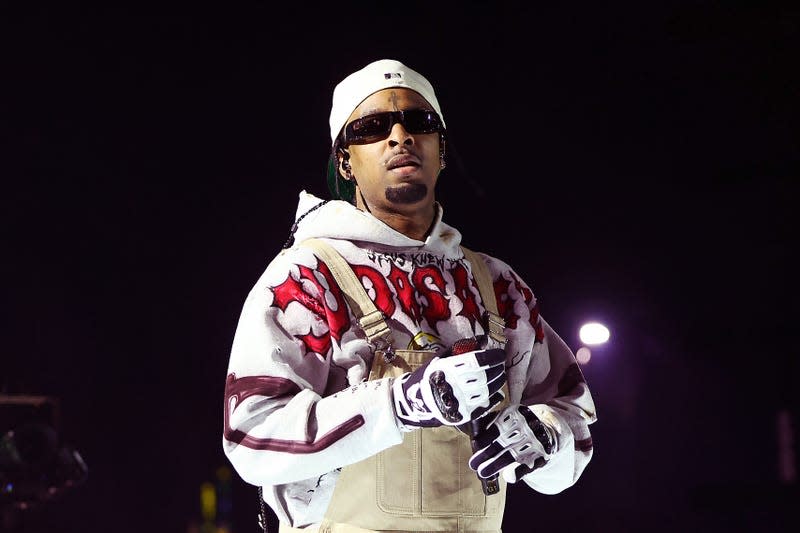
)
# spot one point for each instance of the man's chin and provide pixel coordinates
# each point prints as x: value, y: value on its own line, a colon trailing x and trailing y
x: 407, y: 193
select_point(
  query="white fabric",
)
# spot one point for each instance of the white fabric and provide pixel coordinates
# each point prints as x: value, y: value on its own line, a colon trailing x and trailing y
x: 281, y: 389
x: 376, y: 76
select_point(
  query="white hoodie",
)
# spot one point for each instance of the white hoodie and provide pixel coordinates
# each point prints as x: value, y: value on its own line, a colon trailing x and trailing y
x: 297, y: 406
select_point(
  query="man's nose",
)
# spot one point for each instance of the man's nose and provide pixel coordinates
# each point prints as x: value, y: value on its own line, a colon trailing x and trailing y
x: 399, y: 135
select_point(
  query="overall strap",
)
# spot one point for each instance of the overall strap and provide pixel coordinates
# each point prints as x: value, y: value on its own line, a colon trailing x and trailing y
x: 494, y: 322
x: 369, y: 317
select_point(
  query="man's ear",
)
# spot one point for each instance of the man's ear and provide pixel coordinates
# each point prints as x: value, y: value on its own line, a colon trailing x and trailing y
x: 343, y: 158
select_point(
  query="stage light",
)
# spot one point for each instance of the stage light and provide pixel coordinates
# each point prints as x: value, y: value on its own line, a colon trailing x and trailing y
x: 594, y: 333
x: 583, y: 355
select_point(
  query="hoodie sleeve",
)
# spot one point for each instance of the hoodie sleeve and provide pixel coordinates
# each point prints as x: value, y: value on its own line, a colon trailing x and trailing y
x: 288, y: 415
x: 557, y: 393
x: 544, y: 375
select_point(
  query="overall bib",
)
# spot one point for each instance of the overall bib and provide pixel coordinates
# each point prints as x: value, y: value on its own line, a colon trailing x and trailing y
x: 423, y: 484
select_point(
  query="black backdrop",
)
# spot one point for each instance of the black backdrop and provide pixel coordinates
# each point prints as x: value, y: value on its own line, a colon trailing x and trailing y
x: 635, y: 163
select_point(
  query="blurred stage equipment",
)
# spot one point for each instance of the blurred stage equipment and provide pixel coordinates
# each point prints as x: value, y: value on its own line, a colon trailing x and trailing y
x: 35, y: 467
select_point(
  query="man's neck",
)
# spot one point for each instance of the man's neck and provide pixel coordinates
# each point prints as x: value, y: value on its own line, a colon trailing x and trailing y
x: 416, y: 225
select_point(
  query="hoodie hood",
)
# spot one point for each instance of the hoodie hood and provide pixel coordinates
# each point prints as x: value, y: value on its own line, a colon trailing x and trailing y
x: 338, y: 219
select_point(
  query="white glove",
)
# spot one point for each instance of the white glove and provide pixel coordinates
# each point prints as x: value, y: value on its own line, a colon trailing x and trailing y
x: 516, y: 442
x: 450, y: 390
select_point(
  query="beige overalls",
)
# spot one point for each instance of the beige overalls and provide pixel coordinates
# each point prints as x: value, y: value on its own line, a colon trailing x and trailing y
x: 425, y: 483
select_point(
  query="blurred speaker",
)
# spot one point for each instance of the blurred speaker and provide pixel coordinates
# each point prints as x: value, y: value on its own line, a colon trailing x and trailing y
x: 16, y: 410
x: 35, y: 466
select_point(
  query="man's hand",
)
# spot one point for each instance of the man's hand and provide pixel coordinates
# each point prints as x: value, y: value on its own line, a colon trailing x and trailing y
x: 450, y: 390
x: 516, y: 442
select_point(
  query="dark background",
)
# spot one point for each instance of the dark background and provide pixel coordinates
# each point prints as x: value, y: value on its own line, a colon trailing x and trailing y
x: 635, y: 162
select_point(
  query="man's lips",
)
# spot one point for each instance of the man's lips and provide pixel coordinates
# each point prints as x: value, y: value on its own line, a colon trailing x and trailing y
x: 403, y: 160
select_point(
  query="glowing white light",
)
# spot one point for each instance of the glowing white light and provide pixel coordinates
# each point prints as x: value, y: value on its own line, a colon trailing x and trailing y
x: 583, y: 355
x: 594, y: 333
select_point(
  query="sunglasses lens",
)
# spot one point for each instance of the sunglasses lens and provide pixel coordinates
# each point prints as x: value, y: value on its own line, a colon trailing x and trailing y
x: 420, y: 121
x: 369, y: 129
x: 373, y: 128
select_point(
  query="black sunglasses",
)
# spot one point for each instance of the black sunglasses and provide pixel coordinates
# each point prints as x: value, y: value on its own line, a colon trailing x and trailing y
x: 373, y: 128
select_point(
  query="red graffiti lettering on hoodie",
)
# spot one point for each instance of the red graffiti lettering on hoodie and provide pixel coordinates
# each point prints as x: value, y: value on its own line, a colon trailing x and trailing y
x: 505, y: 304
x: 337, y: 320
x: 463, y: 292
x: 405, y: 293
x: 436, y: 308
x: 383, y: 294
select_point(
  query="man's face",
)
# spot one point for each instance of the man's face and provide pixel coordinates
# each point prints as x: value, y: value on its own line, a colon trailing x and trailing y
x: 396, y: 174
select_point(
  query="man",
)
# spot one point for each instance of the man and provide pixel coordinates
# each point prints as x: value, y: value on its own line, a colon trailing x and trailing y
x: 382, y: 376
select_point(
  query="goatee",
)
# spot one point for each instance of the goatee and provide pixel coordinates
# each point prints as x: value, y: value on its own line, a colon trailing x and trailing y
x: 408, y: 193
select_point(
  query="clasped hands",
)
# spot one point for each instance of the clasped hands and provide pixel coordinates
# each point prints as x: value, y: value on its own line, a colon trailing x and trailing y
x: 453, y: 390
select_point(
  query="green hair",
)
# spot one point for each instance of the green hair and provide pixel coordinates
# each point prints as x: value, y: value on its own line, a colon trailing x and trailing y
x: 340, y: 188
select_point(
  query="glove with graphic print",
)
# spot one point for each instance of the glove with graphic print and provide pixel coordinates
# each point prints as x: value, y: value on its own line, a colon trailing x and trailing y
x: 451, y: 389
x: 516, y: 442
